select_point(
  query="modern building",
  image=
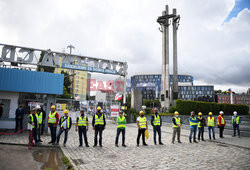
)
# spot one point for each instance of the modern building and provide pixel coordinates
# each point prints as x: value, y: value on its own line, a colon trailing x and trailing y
x: 199, y: 93
x: 150, y: 86
x: 26, y: 88
x: 237, y: 99
x: 79, y: 82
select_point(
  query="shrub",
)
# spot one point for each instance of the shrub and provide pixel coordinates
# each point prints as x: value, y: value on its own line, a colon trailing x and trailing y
x: 186, y: 106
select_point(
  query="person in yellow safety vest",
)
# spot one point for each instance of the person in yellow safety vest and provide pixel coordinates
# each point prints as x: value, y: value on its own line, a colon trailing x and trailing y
x: 193, y: 121
x: 82, y: 125
x: 121, y: 125
x: 210, y: 124
x: 236, y: 120
x: 176, y: 123
x: 98, y: 123
x: 221, y: 123
x: 201, y: 125
x: 33, y: 123
x: 65, y: 124
x: 156, y: 122
x: 142, y: 126
x: 53, y: 119
x: 39, y: 115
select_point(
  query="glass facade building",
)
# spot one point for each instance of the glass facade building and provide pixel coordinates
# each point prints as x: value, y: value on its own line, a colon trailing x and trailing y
x: 150, y: 85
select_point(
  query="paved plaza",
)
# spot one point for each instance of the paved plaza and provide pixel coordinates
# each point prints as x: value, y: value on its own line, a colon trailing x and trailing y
x: 227, y: 153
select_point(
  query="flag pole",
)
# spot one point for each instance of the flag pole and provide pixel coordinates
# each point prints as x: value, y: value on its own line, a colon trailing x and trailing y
x: 231, y: 96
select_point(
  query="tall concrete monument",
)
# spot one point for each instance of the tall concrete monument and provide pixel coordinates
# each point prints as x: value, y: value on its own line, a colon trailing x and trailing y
x: 165, y: 90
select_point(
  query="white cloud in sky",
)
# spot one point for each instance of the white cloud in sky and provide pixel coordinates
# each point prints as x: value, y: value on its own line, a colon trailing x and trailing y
x: 127, y: 30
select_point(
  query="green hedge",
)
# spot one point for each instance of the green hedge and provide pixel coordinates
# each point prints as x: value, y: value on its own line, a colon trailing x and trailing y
x: 186, y: 106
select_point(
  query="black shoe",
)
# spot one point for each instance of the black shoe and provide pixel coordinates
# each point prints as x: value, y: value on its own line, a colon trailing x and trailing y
x: 190, y: 141
x: 203, y: 140
x: 155, y: 143
x: 80, y: 145
x: 50, y: 142
x: 239, y: 136
x: 124, y: 145
x: 116, y: 145
x: 195, y: 141
x: 179, y: 142
x: 145, y: 144
x: 214, y: 138
x: 233, y: 135
x: 53, y: 143
x: 40, y: 140
x: 172, y: 142
x: 161, y: 144
x: 100, y: 145
x: 87, y: 146
x: 137, y: 145
x: 94, y: 145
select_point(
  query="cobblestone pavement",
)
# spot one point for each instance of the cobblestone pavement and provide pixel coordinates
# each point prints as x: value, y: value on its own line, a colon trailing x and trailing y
x: 205, y: 155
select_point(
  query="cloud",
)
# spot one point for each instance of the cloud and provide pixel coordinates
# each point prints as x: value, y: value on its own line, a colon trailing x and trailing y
x: 127, y: 31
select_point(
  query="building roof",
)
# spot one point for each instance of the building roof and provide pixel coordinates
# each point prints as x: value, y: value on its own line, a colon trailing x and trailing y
x: 16, y: 80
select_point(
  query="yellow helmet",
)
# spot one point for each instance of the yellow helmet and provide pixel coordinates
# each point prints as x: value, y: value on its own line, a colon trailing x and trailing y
x: 53, y: 107
x: 199, y: 114
x: 99, y: 108
x: 66, y: 111
x: 141, y: 112
x: 176, y: 113
x: 210, y: 113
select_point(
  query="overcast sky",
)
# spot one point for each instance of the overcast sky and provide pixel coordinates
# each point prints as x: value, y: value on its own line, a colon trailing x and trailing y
x: 213, y: 36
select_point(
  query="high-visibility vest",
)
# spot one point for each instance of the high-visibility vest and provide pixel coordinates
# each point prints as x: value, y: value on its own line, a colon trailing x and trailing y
x: 157, y: 120
x: 210, y: 121
x: 40, y: 117
x: 52, y: 117
x: 121, y: 122
x: 143, y: 122
x: 32, y: 121
x: 99, y: 121
x: 237, y: 120
x: 177, y: 121
x: 193, y: 123
x: 68, y: 121
x: 199, y: 123
x: 82, y: 121
x: 222, y: 121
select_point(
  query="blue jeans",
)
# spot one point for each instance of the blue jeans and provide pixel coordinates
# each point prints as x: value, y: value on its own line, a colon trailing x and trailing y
x: 118, y: 134
x: 52, y: 133
x: 209, y: 131
x: 201, y: 132
x: 158, y: 130
x: 236, y: 127
x: 65, y: 135
x: 192, y: 133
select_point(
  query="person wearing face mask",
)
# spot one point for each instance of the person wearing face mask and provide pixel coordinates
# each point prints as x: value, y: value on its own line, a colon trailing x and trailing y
x: 201, y: 125
x: 98, y: 124
x: 176, y: 122
x: 236, y: 120
x: 156, y: 122
x: 82, y: 126
x: 193, y: 121
x: 142, y: 126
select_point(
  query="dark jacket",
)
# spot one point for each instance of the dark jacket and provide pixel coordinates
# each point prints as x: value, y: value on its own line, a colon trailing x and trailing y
x: 153, y: 117
x: 61, y: 121
x: 202, y: 121
x: 99, y: 115
x: 19, y: 113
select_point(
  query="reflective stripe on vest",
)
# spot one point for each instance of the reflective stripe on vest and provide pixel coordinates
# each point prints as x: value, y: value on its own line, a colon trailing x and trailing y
x: 99, y: 121
x: 68, y: 122
x: 177, y: 121
x: 143, y: 122
x: 210, y: 121
x: 221, y: 120
x: 121, y: 122
x: 40, y: 117
x: 193, y: 123
x: 82, y: 121
x: 52, y: 117
x: 157, y: 120
x: 32, y: 121
x: 237, y: 120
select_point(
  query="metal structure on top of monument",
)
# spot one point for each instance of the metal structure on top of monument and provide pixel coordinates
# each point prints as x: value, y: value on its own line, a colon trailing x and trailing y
x: 17, y: 56
x: 164, y: 21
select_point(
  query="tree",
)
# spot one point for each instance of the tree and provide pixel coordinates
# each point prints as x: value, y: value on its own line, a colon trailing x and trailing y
x: 44, y: 68
x: 67, y: 82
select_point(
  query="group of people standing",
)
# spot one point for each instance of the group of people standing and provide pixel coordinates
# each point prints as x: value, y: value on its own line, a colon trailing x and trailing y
x: 99, y: 124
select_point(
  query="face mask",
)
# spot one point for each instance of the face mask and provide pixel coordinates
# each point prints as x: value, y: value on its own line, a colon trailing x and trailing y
x: 82, y: 114
x: 177, y: 115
